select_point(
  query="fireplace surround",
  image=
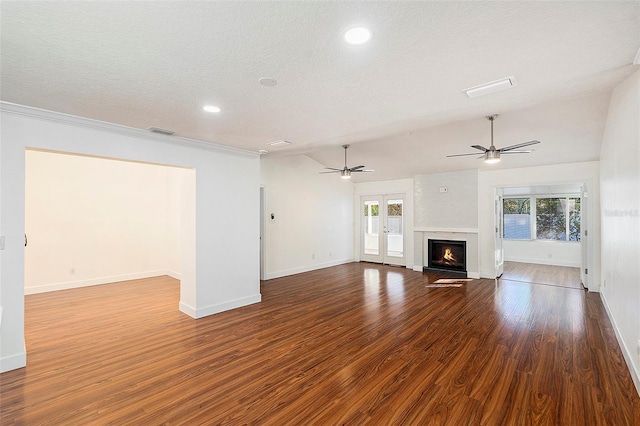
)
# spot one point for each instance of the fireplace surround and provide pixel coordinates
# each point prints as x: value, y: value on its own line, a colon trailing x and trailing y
x: 447, y: 256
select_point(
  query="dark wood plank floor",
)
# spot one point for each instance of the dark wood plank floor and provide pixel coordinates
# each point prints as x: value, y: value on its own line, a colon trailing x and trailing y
x: 352, y: 344
x: 562, y: 276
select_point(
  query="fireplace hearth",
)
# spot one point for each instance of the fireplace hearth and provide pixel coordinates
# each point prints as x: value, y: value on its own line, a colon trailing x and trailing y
x: 447, y: 256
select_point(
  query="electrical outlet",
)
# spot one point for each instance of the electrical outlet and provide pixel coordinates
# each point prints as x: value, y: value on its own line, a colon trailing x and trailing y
x: 330, y: 254
x: 313, y: 256
x: 72, y: 271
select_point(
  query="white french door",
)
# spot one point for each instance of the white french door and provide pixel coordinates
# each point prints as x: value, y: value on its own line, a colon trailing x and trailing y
x: 382, y: 229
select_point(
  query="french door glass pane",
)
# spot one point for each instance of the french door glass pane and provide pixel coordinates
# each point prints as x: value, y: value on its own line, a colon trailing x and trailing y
x: 371, y: 221
x: 395, y: 239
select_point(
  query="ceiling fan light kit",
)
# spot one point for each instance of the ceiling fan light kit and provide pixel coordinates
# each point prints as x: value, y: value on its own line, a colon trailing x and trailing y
x: 492, y: 154
x: 345, y: 172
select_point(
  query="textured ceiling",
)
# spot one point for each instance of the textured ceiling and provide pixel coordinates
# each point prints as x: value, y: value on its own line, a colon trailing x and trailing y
x: 398, y: 99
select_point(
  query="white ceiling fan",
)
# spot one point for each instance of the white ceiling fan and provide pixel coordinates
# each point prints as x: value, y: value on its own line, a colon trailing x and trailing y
x: 491, y: 154
x: 345, y: 172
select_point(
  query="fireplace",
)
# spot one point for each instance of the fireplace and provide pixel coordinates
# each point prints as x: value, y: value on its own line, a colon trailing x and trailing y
x: 447, y: 256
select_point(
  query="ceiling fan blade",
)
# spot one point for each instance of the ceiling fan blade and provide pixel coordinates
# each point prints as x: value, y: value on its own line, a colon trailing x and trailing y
x: 461, y: 155
x: 356, y: 168
x: 520, y: 145
x: 362, y: 171
x: 332, y: 171
x: 481, y: 148
x: 331, y: 168
x: 517, y: 152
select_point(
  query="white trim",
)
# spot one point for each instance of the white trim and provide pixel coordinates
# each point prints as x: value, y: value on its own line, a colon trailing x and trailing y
x: 447, y: 230
x: 13, y: 362
x: 628, y: 354
x: 59, y: 117
x: 226, y: 306
x: 293, y: 271
x: 187, y: 309
x: 542, y: 262
x: 97, y: 281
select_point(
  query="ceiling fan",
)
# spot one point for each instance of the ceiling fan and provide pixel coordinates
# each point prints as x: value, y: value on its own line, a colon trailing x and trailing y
x: 345, y: 173
x: 491, y: 154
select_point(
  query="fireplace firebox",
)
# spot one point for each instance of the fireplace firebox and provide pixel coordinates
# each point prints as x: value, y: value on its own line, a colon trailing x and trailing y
x: 447, y: 256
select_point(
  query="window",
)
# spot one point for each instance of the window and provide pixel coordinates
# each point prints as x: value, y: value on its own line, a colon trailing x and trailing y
x: 517, y: 218
x: 547, y: 218
x: 551, y: 221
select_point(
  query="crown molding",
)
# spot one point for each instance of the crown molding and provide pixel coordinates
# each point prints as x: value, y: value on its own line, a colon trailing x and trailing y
x: 73, y: 120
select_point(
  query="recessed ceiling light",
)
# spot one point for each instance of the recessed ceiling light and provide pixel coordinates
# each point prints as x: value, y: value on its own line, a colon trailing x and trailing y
x: 269, y: 82
x: 357, y: 35
x: 493, y: 86
x: 211, y: 108
x: 263, y: 151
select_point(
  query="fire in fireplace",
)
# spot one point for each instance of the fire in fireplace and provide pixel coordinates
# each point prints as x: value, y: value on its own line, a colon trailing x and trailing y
x: 447, y: 256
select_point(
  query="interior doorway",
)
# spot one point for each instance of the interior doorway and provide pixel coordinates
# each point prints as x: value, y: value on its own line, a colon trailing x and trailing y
x: 93, y: 220
x: 543, y: 225
x: 382, y: 238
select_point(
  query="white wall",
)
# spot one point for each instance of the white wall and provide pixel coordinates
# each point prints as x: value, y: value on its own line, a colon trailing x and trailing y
x: 574, y: 173
x: 313, y: 225
x: 558, y: 253
x: 456, y: 208
x: 94, y: 221
x: 620, y: 209
x: 387, y: 187
x: 219, y: 226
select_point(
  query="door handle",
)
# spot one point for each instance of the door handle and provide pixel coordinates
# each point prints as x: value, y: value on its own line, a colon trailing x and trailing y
x: 25, y: 240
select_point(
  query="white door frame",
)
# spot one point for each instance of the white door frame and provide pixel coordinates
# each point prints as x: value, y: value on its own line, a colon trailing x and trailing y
x: 498, y: 232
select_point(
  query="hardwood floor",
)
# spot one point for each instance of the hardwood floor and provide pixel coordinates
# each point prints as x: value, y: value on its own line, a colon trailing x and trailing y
x: 353, y: 344
x: 561, y: 276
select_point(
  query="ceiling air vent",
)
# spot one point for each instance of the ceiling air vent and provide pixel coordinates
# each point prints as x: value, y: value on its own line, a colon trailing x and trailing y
x: 161, y: 131
x: 281, y: 142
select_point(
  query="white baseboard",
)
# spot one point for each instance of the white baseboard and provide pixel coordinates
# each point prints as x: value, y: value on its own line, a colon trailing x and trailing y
x: 226, y: 306
x: 299, y: 270
x: 187, y: 309
x: 550, y: 262
x: 626, y: 352
x: 172, y: 274
x: 13, y: 362
x: 97, y: 281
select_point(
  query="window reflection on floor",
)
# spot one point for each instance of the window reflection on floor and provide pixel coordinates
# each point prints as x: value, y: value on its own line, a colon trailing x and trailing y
x: 512, y: 301
x: 395, y: 287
